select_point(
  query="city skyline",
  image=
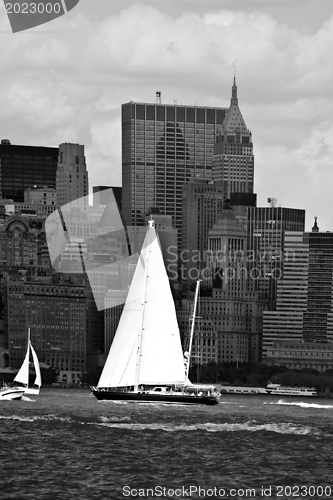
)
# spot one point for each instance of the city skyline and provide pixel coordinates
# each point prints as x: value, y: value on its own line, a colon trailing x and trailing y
x: 56, y: 89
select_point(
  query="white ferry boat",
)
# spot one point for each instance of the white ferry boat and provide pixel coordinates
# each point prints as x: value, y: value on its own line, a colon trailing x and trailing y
x: 226, y: 389
x: 280, y: 390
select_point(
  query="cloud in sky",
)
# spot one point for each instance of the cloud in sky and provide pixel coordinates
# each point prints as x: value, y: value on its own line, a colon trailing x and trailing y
x: 68, y: 85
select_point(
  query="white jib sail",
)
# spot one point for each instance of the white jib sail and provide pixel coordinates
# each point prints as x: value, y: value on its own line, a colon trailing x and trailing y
x: 38, y: 379
x: 23, y: 373
x: 146, y: 348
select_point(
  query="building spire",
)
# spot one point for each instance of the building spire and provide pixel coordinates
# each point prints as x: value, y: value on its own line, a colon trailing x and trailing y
x: 315, y: 228
x: 234, y: 98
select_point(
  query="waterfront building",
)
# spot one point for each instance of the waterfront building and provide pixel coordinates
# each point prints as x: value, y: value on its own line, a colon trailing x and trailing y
x: 23, y: 254
x: 227, y: 329
x: 300, y: 355
x: 55, y: 312
x: 299, y: 333
x: 24, y: 167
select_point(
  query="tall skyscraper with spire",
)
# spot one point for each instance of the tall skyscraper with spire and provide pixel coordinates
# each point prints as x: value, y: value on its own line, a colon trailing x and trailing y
x: 233, y: 160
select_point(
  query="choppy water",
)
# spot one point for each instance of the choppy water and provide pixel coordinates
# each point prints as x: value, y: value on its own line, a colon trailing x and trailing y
x: 65, y: 445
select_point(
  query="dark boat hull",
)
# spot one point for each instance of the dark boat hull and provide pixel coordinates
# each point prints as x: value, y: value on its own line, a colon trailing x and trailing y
x: 155, y: 398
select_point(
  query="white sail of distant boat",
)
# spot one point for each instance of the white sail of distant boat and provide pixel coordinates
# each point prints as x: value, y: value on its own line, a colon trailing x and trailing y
x: 22, y: 376
x: 138, y: 355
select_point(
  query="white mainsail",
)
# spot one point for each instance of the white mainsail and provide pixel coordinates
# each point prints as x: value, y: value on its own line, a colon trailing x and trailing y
x: 23, y: 374
x: 38, y: 379
x: 146, y: 348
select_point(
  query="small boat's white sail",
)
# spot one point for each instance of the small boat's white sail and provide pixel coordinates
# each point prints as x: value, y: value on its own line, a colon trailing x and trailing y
x: 22, y: 376
x: 38, y: 379
x: 147, y: 348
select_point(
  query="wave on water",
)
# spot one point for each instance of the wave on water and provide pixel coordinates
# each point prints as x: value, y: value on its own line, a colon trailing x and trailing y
x: 300, y: 404
x: 280, y: 428
x: 35, y: 419
x: 68, y: 420
x: 115, y: 419
x: 124, y: 422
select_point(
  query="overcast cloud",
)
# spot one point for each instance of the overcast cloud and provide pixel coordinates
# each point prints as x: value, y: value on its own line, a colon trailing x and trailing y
x: 66, y: 81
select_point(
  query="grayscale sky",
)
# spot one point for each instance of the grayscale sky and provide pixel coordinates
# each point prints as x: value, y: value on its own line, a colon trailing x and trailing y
x: 65, y: 81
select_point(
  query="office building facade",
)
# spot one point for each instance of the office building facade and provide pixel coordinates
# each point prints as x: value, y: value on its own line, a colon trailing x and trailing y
x: 56, y: 315
x: 299, y: 334
x: 266, y: 227
x: 24, y: 167
x: 230, y: 324
x: 164, y: 146
x: 202, y: 204
x: 40, y: 196
x: 72, y: 176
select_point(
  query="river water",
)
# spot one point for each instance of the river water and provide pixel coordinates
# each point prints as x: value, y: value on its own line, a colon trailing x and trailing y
x: 66, y: 445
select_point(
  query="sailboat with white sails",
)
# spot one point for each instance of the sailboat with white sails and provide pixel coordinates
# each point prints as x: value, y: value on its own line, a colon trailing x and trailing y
x: 22, y: 376
x: 145, y: 362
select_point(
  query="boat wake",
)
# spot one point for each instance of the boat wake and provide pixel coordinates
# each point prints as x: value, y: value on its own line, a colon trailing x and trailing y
x: 124, y: 423
x: 301, y: 404
x: 26, y: 398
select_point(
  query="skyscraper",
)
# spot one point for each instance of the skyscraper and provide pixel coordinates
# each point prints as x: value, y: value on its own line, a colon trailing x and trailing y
x: 164, y: 146
x: 203, y: 203
x: 300, y: 332
x: 266, y: 227
x: 233, y: 160
x: 24, y: 167
x: 72, y: 176
x: 229, y: 326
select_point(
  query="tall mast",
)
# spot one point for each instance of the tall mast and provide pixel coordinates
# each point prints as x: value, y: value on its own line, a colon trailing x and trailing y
x: 192, y: 326
x: 150, y: 225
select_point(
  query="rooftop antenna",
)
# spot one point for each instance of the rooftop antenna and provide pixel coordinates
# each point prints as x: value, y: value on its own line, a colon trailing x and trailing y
x: 158, y: 97
x: 272, y: 201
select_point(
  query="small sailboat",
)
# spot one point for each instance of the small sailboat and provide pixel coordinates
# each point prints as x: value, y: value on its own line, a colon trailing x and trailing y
x: 145, y: 362
x: 22, y: 376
